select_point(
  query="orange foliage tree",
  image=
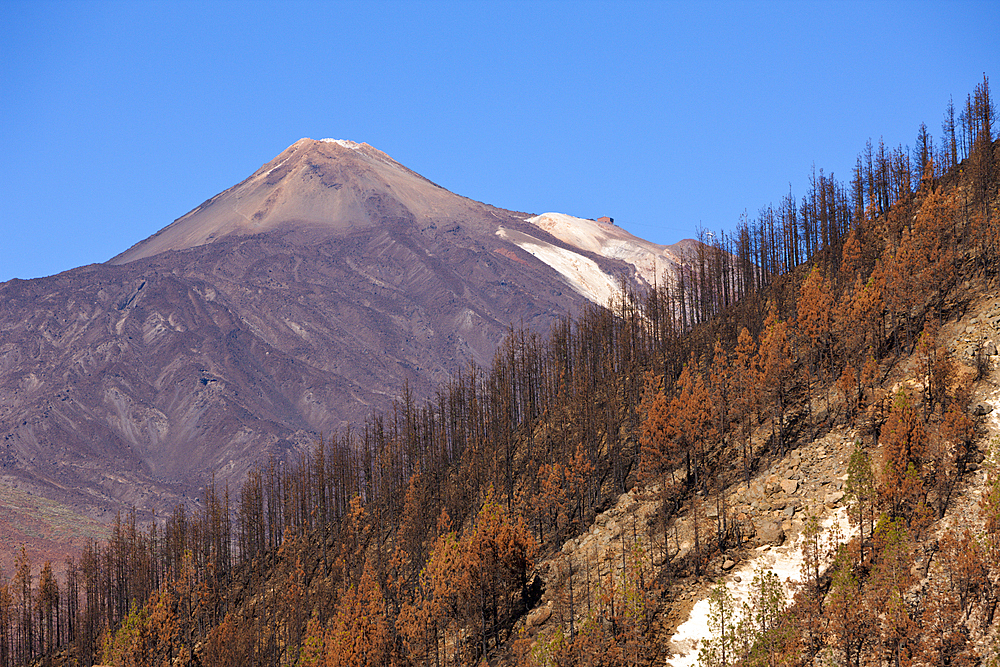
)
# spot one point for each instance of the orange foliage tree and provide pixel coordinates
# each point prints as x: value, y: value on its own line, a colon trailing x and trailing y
x: 359, y: 634
x: 904, y: 440
x: 775, y: 363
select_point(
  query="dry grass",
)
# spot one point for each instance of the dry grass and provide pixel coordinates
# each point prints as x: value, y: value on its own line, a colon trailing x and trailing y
x: 48, y: 529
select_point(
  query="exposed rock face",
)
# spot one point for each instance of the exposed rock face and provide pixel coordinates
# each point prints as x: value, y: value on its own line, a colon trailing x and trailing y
x: 977, y: 334
x: 292, y: 304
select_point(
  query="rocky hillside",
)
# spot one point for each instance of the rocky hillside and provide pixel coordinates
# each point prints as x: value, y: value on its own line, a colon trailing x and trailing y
x: 773, y: 511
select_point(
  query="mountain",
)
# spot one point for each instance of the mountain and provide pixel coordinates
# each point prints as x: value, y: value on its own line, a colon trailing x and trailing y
x: 299, y: 301
x: 318, y: 189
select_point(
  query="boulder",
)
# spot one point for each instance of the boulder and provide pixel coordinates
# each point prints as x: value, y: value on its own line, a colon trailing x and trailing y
x: 770, y: 532
x: 789, y: 486
x: 539, y: 616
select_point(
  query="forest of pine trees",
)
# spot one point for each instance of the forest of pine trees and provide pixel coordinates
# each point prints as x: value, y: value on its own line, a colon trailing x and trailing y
x: 410, y: 539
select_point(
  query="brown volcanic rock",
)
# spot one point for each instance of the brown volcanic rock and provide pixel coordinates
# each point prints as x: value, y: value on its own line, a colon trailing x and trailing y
x: 290, y: 305
x: 319, y: 188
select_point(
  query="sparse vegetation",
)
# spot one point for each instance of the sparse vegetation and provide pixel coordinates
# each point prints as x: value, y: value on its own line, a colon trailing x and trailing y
x: 411, y: 540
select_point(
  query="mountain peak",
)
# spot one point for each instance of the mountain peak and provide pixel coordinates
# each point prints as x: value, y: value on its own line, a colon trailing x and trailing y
x: 346, y: 143
x: 325, y: 187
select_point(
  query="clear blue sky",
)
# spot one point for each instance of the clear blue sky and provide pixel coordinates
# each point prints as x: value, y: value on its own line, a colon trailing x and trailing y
x: 116, y: 118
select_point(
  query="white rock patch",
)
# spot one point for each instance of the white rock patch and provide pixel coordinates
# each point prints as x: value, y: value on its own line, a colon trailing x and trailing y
x: 784, y: 561
x: 653, y: 263
x: 582, y: 273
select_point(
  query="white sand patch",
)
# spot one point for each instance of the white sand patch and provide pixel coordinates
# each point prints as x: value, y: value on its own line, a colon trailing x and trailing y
x: 993, y: 420
x: 582, y: 273
x: 277, y: 166
x: 294, y: 326
x: 651, y: 260
x: 586, y: 234
x: 784, y: 561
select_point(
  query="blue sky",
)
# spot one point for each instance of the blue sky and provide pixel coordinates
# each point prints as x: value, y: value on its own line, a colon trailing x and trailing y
x: 116, y: 118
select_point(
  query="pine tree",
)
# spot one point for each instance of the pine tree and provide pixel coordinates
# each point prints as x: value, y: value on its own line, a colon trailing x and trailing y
x: 23, y: 596
x: 950, y: 144
x: 890, y: 579
x: 943, y: 638
x: 860, y: 495
x: 851, y: 620
x: 48, y: 607
x: 657, y: 446
x: 692, y: 419
x: 775, y: 363
x: 7, y: 619
x: 814, y: 321
x: 747, y: 392
x: 900, y: 486
x: 719, y: 651
x: 359, y: 634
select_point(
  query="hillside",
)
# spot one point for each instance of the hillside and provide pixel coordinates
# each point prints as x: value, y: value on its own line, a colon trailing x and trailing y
x: 575, y: 501
x: 311, y: 295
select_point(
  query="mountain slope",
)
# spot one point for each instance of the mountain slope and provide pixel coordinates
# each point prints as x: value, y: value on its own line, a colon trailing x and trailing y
x: 291, y: 305
x: 578, y: 501
x: 317, y: 188
x: 653, y: 262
